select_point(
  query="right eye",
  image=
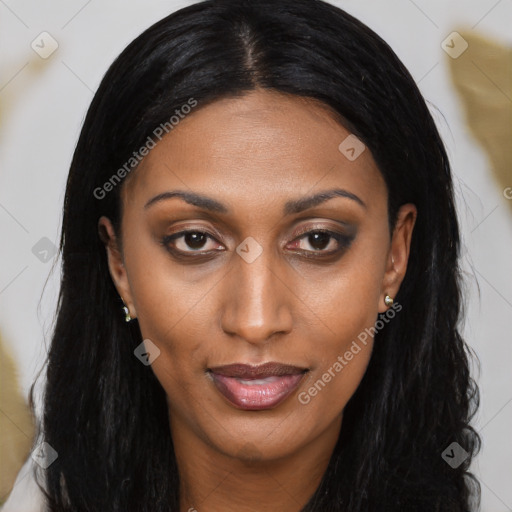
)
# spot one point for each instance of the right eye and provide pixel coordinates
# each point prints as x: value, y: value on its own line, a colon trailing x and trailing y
x: 190, y: 241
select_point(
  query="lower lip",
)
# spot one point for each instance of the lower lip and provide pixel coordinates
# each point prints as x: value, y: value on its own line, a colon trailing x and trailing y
x: 255, y: 395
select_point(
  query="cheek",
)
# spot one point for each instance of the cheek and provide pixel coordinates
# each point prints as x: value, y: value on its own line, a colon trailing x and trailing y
x: 345, y: 297
x: 170, y: 308
x: 343, y: 354
x: 167, y: 296
x: 347, y: 303
x: 173, y: 313
x: 172, y: 322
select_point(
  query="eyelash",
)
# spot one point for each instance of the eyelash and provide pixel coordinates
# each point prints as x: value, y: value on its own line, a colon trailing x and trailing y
x: 343, y: 241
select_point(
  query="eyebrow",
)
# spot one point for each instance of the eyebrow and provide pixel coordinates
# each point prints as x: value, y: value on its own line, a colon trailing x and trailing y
x: 290, y: 207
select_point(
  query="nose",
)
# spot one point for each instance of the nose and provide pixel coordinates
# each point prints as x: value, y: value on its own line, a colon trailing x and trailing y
x: 258, y: 300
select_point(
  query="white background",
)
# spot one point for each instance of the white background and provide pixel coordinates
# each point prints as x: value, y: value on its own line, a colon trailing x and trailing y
x: 42, y: 106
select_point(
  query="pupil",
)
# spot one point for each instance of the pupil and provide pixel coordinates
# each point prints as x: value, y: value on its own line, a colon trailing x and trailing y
x: 319, y: 240
x: 195, y: 240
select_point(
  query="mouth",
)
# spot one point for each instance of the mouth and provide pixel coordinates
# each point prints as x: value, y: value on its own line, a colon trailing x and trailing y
x: 255, y: 388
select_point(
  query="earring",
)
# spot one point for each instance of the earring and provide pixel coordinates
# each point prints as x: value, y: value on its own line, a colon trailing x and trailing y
x: 388, y: 301
x: 127, y: 316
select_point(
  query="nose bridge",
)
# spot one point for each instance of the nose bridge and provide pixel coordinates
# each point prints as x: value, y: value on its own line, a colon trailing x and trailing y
x: 257, y: 304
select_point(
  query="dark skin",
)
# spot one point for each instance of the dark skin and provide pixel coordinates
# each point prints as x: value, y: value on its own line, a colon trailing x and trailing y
x: 253, y: 154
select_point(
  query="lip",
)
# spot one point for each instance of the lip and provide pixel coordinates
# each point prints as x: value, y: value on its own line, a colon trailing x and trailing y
x: 254, y: 388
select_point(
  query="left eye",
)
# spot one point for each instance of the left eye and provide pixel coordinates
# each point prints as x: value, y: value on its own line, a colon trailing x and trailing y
x: 321, y: 240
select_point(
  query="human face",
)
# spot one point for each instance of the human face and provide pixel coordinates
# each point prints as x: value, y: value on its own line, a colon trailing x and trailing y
x: 302, y: 301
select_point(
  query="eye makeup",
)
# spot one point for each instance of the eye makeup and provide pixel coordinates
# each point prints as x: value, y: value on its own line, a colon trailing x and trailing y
x: 325, y: 243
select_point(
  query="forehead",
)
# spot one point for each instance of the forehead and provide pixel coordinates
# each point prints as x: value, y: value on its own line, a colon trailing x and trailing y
x: 258, y: 146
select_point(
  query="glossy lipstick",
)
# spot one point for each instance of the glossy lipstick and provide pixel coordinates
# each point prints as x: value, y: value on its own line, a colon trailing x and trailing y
x: 256, y: 388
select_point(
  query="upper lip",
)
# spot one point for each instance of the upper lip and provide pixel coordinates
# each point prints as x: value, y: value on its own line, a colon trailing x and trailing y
x: 241, y: 371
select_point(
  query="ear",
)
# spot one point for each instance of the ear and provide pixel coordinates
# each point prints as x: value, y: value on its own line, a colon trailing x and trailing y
x: 398, y: 254
x: 116, y: 263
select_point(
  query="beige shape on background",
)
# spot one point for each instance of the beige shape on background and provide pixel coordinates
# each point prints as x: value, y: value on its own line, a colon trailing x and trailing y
x: 16, y: 424
x: 482, y: 76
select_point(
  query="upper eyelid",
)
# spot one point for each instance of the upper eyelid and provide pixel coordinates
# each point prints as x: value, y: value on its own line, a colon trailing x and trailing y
x: 302, y: 233
x: 305, y: 229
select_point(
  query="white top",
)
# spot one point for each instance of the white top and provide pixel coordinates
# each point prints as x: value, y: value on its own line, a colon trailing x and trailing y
x: 25, y: 495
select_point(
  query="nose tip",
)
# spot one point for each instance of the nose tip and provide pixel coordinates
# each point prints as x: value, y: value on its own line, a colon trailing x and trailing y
x: 258, y: 304
x: 256, y: 325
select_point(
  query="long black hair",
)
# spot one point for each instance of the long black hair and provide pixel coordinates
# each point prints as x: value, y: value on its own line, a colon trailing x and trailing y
x: 106, y: 414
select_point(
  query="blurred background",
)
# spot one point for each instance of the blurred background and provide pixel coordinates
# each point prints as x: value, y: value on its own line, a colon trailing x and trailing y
x: 53, y: 56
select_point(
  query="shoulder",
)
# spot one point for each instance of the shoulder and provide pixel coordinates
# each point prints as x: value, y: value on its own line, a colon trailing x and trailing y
x: 25, y: 494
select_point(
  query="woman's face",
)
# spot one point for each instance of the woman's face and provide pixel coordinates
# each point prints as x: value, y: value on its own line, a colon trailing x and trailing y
x: 255, y: 281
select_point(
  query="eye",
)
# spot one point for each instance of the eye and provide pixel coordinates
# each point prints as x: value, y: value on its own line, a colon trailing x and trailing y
x: 315, y: 242
x: 189, y: 242
x: 322, y: 241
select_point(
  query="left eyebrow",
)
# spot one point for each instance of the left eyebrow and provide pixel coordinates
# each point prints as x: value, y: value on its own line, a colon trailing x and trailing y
x: 307, y: 202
